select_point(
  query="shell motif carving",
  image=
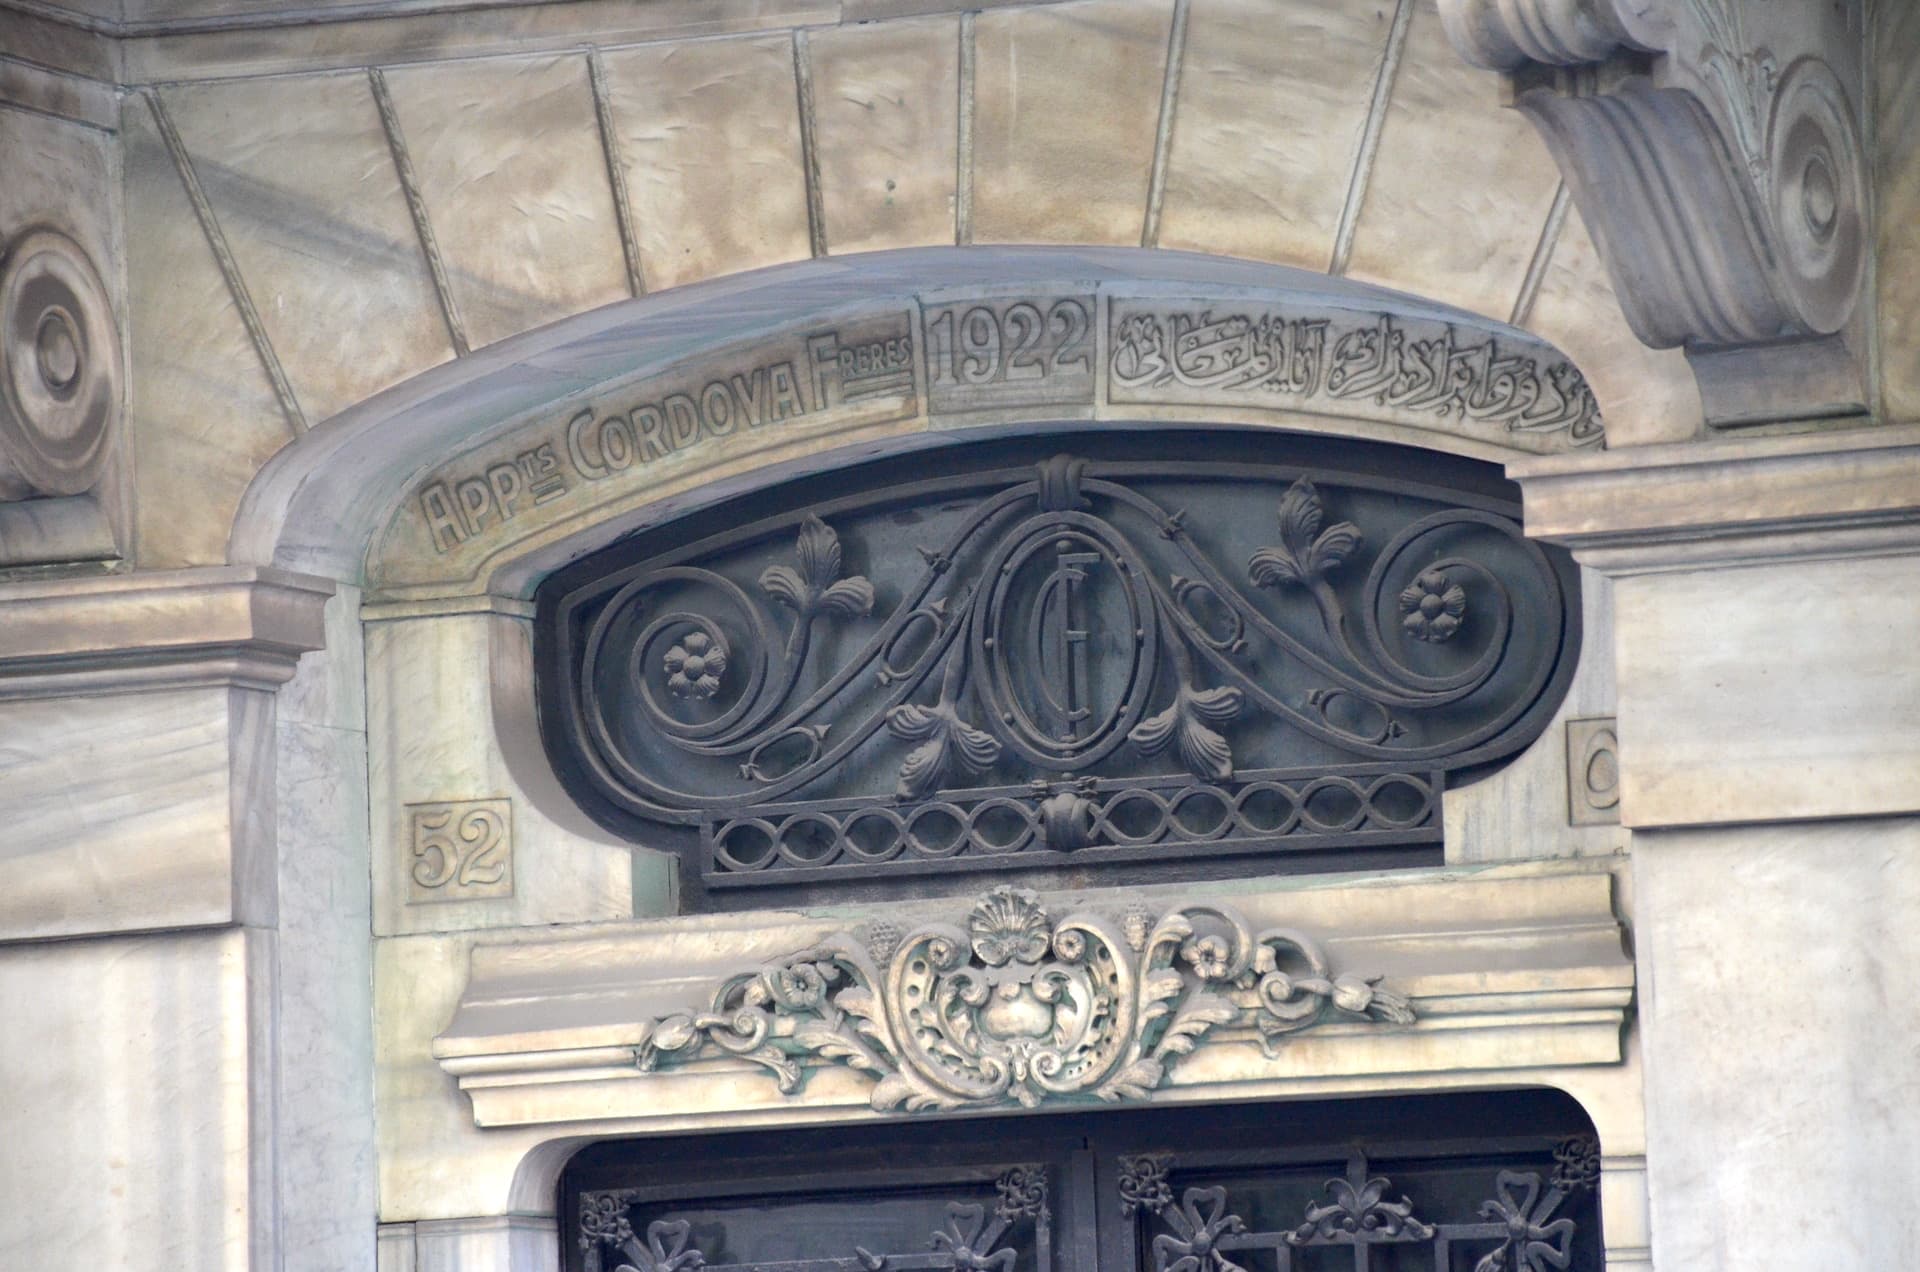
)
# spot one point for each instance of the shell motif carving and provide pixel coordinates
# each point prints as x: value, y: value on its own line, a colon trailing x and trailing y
x: 1011, y: 1006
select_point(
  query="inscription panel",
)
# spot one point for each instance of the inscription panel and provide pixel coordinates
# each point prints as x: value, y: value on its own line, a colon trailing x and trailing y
x: 1030, y: 351
x: 857, y: 373
x: 459, y: 850
x: 1429, y: 373
x: 951, y: 358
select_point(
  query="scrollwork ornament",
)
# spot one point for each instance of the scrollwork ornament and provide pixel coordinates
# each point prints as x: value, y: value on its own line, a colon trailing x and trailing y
x: 1071, y: 671
x: 1011, y: 1006
x: 1143, y: 1183
x: 1023, y: 1191
x: 1748, y: 134
x: 60, y: 388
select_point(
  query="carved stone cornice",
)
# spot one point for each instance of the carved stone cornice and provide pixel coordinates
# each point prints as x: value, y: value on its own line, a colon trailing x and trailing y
x: 1714, y: 150
x: 233, y: 625
x: 1018, y: 1000
x: 1730, y: 502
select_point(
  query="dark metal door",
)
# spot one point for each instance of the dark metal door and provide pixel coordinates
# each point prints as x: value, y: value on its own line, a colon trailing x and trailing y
x: 1502, y: 1182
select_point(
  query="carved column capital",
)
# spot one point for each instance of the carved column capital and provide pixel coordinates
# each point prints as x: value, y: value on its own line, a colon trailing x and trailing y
x: 1714, y: 150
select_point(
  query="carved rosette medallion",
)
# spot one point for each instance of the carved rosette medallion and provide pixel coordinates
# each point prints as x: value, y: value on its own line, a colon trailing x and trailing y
x: 60, y: 386
x: 1013, y: 1006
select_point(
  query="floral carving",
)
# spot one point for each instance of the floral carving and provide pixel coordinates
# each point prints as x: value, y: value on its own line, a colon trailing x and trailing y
x: 1307, y: 554
x: 1012, y: 1006
x: 1353, y: 1211
x: 1198, y: 1223
x: 816, y: 587
x: 695, y: 664
x: 1431, y: 606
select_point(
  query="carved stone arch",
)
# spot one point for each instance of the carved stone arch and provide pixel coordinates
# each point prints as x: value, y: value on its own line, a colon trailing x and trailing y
x: 461, y: 489
x: 351, y: 501
x: 703, y: 362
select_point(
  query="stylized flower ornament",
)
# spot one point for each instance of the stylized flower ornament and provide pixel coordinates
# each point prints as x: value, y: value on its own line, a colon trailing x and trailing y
x: 1306, y: 553
x: 695, y: 665
x: 1532, y: 1244
x: 1194, y: 1248
x: 1210, y: 956
x: 816, y: 587
x: 1431, y: 606
x: 962, y: 1241
x: 1354, y: 1211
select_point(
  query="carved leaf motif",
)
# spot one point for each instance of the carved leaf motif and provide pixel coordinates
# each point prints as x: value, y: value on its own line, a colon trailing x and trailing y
x: 1306, y: 553
x: 816, y: 587
x: 819, y: 551
x: 946, y: 741
x: 1135, y: 1082
x: 1187, y: 721
x: 1199, y: 1014
x: 830, y: 1043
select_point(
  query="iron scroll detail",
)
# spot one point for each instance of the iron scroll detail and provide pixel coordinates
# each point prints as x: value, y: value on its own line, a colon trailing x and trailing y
x: 1079, y: 661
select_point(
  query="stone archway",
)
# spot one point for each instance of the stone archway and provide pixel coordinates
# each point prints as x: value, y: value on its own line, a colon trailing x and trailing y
x: 439, y: 504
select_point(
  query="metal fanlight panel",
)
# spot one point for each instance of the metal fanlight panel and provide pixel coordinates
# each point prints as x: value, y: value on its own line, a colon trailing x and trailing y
x: 1073, y: 663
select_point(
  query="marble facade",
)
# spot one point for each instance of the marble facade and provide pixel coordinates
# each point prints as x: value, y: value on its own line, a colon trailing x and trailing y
x: 329, y: 330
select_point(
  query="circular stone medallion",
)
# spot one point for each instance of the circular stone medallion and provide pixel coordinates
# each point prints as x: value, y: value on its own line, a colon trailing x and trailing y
x: 60, y: 390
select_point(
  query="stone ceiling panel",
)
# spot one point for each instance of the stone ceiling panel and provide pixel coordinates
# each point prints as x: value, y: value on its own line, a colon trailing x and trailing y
x: 203, y: 414
x: 886, y: 100
x: 300, y: 174
x: 514, y: 180
x: 1647, y: 395
x: 1459, y: 188
x: 709, y: 133
x: 1272, y: 108
x: 1066, y: 103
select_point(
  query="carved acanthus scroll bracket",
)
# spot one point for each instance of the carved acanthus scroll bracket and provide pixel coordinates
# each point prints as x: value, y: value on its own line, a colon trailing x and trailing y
x: 1013, y: 1006
x: 1714, y: 150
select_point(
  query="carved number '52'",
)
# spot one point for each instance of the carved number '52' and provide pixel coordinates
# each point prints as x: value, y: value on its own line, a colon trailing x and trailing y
x: 466, y: 851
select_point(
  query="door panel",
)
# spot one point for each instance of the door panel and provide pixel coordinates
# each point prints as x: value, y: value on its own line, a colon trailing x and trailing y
x: 1498, y: 1182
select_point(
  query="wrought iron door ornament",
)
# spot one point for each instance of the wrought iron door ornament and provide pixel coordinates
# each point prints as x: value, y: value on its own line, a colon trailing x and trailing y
x: 1016, y: 1007
x: 972, y: 1238
x: 1063, y: 668
x: 1204, y: 1235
